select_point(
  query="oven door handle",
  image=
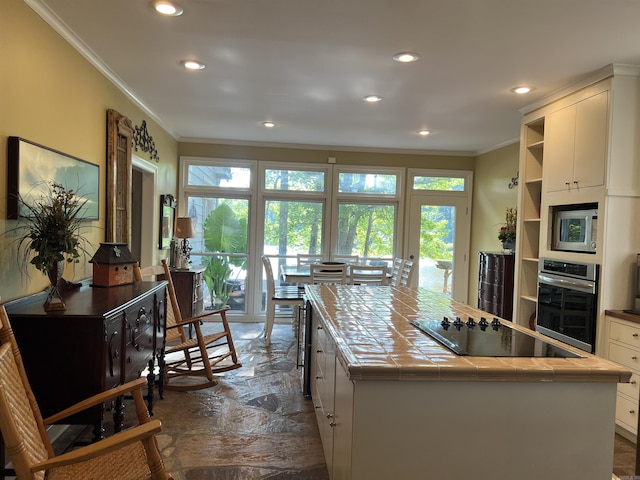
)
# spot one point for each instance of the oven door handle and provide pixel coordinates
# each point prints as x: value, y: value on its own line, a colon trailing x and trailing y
x: 569, y: 283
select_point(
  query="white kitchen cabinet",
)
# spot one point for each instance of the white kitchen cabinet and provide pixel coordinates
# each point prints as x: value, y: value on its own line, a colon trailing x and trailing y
x: 576, y: 145
x: 332, y: 394
x: 624, y: 348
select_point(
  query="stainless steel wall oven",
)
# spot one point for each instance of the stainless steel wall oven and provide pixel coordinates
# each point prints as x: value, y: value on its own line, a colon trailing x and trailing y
x: 567, y: 302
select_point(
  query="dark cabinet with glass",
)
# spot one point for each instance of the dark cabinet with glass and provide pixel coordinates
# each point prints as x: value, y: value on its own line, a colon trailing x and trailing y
x: 495, y: 283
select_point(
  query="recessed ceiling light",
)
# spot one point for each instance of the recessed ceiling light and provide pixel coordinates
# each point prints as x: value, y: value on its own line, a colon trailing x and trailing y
x: 164, y: 7
x: 522, y: 89
x: 406, y: 57
x: 268, y: 124
x: 423, y: 132
x: 192, y: 65
x: 372, y: 98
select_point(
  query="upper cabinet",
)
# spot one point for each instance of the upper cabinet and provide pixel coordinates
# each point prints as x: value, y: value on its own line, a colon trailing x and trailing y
x: 576, y: 145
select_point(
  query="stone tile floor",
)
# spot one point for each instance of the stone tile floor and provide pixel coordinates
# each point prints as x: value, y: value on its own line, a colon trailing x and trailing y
x: 255, y: 424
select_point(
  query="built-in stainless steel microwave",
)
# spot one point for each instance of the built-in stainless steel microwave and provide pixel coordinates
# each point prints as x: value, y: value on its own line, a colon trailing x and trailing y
x: 575, y: 228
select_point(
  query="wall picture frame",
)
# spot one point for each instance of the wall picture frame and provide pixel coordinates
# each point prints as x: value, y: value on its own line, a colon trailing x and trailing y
x: 167, y: 221
x: 32, y: 167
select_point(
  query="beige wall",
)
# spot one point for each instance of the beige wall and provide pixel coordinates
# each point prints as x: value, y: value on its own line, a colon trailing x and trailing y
x: 318, y: 155
x: 491, y: 197
x: 51, y: 95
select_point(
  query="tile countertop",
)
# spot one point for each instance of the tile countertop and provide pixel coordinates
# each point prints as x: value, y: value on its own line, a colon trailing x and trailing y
x: 375, y: 341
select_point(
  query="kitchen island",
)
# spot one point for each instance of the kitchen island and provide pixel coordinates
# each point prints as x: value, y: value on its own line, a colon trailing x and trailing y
x: 392, y: 402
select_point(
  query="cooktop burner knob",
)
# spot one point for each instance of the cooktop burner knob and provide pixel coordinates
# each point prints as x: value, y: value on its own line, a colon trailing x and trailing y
x: 495, y: 322
x: 458, y: 323
x: 483, y: 322
x: 445, y: 322
x: 471, y: 322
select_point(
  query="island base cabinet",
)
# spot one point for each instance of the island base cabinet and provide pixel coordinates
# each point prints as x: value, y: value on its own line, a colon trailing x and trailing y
x: 487, y: 430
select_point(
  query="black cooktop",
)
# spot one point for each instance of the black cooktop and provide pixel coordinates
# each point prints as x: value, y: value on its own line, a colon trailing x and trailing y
x: 481, y: 338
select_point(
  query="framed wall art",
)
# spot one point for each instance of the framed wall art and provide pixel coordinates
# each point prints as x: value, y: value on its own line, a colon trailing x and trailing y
x: 167, y: 220
x: 32, y: 167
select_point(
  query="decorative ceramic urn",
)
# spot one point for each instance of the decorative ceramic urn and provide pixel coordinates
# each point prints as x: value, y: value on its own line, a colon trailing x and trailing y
x: 112, y: 265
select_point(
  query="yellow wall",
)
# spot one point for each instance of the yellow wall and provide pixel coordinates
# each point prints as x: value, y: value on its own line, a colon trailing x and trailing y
x: 51, y: 95
x: 491, y: 197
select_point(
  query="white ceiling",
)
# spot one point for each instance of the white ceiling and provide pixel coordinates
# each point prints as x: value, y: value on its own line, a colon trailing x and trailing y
x: 307, y: 64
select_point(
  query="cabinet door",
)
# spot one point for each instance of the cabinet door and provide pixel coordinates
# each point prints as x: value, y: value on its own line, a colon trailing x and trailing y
x: 343, y: 430
x: 559, y: 149
x: 591, y: 141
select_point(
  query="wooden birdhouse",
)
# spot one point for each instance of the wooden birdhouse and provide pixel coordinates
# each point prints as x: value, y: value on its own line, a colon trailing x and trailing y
x: 112, y: 265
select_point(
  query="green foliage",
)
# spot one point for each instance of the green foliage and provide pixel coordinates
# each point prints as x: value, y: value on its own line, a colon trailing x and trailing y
x: 224, y: 232
x: 435, y: 232
x: 507, y: 232
x: 51, y: 231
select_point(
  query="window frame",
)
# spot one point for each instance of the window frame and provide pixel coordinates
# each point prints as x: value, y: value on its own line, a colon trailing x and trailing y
x: 397, y: 200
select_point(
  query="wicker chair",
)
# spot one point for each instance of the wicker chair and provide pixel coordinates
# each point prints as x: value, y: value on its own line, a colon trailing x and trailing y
x: 199, y: 357
x: 129, y: 455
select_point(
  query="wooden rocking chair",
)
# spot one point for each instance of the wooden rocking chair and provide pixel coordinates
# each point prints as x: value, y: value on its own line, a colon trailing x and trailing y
x: 199, y: 357
x: 129, y: 455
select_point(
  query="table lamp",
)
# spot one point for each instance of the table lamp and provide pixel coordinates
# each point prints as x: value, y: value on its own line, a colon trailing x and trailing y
x: 185, y: 229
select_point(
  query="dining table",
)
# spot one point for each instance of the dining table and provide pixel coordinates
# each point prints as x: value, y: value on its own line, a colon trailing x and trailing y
x: 301, y: 274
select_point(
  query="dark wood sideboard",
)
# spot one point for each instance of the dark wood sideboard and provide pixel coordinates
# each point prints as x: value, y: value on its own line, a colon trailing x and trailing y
x: 189, y: 286
x: 105, y: 337
x: 495, y: 283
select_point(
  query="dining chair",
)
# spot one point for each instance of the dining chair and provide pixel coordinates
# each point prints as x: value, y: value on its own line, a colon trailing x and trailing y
x: 367, y: 274
x: 289, y: 296
x: 406, y: 274
x: 201, y: 356
x: 308, y: 259
x: 130, y: 454
x: 346, y: 258
x: 396, y: 270
x: 328, y: 274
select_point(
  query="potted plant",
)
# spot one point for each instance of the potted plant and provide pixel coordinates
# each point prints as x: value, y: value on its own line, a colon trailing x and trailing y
x: 50, y: 236
x: 224, y: 232
x: 507, y: 234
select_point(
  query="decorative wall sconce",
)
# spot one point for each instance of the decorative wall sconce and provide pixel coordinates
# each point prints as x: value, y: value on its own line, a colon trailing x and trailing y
x: 514, y: 180
x: 144, y: 141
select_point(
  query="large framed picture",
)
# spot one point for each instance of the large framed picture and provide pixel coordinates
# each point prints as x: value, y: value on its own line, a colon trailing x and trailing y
x: 167, y: 219
x: 32, y: 167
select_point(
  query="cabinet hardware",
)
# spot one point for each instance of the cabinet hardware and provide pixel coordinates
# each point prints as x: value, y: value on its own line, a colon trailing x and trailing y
x: 329, y: 416
x: 632, y: 411
x: 318, y: 351
x: 634, y: 335
x: 634, y: 357
x: 317, y: 407
x: 332, y: 424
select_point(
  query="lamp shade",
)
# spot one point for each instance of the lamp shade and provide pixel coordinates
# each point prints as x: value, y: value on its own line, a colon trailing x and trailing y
x: 185, y: 227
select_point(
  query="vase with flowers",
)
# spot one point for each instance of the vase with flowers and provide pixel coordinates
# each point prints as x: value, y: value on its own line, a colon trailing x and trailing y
x: 507, y: 233
x: 50, y: 236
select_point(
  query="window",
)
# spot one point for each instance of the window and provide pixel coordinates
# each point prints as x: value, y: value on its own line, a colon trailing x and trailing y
x: 294, y: 199
x: 217, y: 194
x: 439, y: 183
x: 368, y: 208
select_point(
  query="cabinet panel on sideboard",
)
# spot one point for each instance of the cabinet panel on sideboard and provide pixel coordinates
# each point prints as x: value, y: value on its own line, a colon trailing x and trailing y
x: 495, y: 283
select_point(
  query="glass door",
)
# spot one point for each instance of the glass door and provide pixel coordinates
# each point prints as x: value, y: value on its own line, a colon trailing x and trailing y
x: 438, y: 234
